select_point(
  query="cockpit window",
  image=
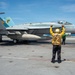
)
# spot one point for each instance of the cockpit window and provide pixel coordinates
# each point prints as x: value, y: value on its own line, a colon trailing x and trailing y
x: 67, y: 23
x: 60, y: 22
x: 64, y: 22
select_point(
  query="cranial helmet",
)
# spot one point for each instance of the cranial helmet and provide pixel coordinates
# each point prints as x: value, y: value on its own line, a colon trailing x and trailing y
x: 57, y: 30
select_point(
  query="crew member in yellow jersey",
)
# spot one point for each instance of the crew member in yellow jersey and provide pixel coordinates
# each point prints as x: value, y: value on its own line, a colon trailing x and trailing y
x: 56, y: 42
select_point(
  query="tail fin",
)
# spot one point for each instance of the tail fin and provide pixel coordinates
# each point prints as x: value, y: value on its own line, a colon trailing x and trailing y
x: 9, y: 22
x: 2, y: 22
x: 2, y: 26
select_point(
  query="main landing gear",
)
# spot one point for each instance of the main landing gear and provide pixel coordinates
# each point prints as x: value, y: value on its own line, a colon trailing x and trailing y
x: 15, y: 41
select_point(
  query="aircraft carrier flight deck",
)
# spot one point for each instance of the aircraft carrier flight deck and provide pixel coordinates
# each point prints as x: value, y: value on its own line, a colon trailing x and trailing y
x: 34, y: 58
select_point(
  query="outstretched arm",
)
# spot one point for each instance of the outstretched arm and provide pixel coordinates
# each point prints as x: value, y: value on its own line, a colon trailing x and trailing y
x: 63, y: 30
x: 51, y: 31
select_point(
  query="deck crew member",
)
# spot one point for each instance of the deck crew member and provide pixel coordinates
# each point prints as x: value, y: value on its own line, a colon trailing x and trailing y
x: 56, y: 42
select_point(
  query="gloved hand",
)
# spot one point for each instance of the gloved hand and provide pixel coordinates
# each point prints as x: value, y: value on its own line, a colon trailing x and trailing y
x: 62, y: 25
x: 51, y: 25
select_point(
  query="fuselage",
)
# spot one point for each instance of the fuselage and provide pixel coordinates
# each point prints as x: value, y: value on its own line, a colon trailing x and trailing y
x: 32, y: 31
x: 36, y: 31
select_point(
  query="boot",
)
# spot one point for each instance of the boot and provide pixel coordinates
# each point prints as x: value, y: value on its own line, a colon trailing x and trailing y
x: 59, y: 60
x: 53, y: 60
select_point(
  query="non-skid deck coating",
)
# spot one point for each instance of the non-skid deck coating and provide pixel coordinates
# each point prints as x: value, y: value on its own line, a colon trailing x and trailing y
x: 35, y: 59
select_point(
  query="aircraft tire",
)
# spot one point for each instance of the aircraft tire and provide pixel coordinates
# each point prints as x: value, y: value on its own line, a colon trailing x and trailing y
x: 15, y: 41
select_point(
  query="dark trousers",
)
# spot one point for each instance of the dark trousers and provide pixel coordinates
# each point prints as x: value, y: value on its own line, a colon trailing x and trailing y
x: 56, y: 49
x: 63, y: 41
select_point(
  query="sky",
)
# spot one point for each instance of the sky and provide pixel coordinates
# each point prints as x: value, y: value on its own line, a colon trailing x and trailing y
x: 29, y: 11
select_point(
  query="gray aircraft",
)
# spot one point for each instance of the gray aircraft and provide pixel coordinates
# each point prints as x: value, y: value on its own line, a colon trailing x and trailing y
x: 31, y: 31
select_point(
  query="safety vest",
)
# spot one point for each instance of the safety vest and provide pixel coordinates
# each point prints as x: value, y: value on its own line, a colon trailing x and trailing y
x: 56, y: 39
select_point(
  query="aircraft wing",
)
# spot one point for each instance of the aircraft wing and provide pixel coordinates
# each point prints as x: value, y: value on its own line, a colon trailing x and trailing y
x: 16, y: 28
